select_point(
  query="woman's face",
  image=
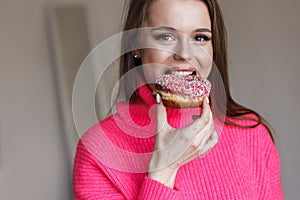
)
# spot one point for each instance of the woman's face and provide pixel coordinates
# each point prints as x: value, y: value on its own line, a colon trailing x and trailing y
x: 180, y: 38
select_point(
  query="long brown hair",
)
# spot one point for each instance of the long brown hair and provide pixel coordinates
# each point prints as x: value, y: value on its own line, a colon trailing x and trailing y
x: 137, y: 11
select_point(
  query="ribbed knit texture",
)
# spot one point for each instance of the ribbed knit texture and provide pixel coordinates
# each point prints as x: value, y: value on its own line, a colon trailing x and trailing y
x: 113, y: 156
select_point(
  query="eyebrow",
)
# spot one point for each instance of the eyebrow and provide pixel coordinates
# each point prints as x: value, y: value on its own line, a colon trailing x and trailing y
x: 163, y: 28
x: 202, y: 30
x: 173, y: 29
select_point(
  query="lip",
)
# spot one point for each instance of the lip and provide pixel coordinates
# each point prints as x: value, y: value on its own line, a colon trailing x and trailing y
x: 183, y: 68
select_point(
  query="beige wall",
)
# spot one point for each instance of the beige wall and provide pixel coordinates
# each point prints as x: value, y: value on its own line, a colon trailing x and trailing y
x: 264, y: 70
x: 34, y: 164
x: 34, y: 160
x: 263, y: 37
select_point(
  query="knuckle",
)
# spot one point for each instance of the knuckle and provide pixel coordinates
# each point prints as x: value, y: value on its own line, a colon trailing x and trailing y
x: 183, y: 138
x: 194, y: 147
x: 206, y: 120
x: 199, y: 152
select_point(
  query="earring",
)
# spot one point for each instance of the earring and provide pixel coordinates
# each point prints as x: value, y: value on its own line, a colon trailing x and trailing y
x: 136, y: 54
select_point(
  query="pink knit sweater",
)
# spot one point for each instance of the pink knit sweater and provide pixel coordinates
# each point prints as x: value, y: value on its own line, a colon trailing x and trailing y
x: 112, y: 159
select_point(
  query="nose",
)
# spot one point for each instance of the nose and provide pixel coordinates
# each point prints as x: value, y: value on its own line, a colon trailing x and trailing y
x: 183, y: 50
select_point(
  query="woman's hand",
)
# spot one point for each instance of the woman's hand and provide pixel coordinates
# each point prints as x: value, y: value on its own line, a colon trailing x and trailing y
x: 176, y: 147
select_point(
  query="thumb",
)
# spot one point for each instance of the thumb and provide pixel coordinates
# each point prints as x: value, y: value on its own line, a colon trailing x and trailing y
x: 161, y: 115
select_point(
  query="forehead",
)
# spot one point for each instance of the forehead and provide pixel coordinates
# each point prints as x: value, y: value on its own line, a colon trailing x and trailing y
x: 178, y: 13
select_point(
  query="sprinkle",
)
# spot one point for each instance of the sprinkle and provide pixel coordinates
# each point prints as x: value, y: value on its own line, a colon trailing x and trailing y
x: 188, y: 85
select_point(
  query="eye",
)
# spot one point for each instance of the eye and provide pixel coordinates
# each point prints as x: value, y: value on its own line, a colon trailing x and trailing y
x: 201, y: 38
x: 164, y: 37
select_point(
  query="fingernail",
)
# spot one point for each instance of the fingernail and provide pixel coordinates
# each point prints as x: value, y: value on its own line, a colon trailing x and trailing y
x: 158, y: 99
x: 207, y: 100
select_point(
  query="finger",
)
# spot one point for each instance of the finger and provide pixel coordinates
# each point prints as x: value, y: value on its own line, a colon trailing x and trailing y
x: 161, y: 115
x: 210, y: 143
x: 193, y: 155
x: 205, y: 104
x: 205, y: 117
x: 198, y: 145
x: 196, y: 126
x: 206, y: 108
x: 202, y: 137
x: 206, y: 138
x: 204, y: 141
x: 196, y: 135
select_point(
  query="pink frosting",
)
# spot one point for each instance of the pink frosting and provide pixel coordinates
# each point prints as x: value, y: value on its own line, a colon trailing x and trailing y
x: 188, y: 85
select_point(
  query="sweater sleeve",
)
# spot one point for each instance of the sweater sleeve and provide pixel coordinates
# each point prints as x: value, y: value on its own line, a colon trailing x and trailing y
x: 91, y: 183
x: 154, y: 190
x: 271, y: 188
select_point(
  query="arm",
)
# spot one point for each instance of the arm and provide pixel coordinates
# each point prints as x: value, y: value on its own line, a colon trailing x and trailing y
x: 90, y: 182
x: 275, y: 187
x: 154, y: 190
x: 271, y: 187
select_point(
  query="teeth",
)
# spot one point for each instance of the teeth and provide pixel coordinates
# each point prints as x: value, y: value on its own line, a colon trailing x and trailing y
x: 182, y: 73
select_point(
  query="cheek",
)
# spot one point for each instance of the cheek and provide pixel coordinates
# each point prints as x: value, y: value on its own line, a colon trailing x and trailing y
x: 149, y: 74
x: 205, y: 59
x: 154, y: 56
x: 154, y: 63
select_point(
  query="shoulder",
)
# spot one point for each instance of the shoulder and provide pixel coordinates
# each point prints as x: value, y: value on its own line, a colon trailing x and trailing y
x: 251, y: 126
x: 253, y: 137
x: 251, y: 122
x: 249, y: 130
x: 97, y: 136
x: 99, y: 128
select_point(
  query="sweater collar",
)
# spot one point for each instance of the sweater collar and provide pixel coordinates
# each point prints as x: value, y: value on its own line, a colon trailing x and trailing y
x: 142, y: 113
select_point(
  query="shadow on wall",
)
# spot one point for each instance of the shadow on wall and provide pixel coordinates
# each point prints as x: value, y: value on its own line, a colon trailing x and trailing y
x: 70, y: 46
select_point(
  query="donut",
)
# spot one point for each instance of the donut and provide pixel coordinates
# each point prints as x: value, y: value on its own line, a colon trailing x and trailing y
x: 182, y: 91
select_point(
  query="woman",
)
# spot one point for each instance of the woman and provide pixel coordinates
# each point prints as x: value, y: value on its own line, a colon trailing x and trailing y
x: 149, y: 151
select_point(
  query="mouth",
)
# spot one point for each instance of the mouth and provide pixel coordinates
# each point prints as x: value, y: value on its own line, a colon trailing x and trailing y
x: 181, y: 71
